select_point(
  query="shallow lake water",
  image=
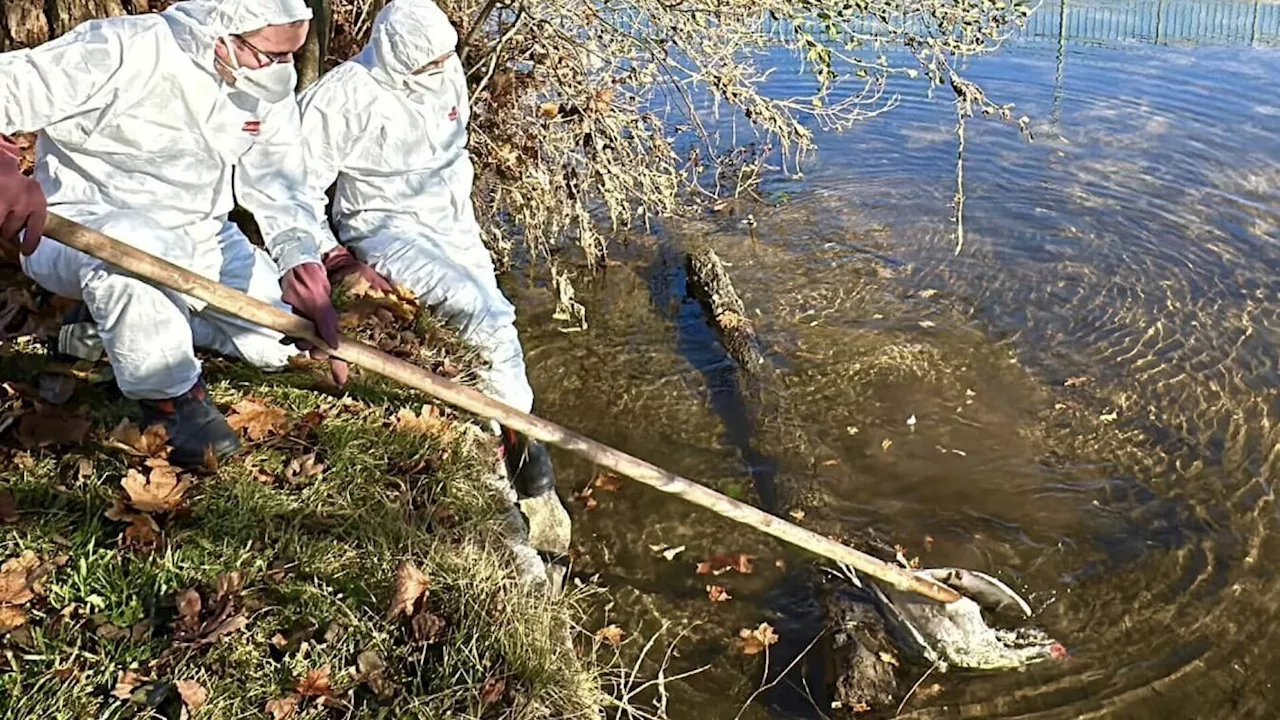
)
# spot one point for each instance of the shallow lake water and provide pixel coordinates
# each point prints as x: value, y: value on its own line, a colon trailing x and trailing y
x: 1093, y: 379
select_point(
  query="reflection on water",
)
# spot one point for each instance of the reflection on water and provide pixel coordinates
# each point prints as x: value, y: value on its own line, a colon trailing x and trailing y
x: 1094, y: 378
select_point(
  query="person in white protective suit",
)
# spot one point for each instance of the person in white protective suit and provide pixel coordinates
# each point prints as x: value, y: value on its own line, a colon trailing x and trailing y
x: 150, y: 128
x: 388, y: 131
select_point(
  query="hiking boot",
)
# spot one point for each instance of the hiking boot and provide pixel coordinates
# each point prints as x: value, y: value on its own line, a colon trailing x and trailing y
x: 528, y: 465
x: 196, y: 428
x: 78, y: 337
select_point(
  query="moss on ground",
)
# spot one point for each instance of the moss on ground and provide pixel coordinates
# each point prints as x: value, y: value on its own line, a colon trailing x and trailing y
x: 295, y: 568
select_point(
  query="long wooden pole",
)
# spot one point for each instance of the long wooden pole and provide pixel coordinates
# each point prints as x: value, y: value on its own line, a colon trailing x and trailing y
x: 234, y: 302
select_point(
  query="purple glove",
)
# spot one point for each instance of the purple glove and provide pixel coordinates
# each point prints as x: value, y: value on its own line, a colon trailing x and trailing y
x: 306, y: 288
x: 22, y: 203
x: 341, y: 263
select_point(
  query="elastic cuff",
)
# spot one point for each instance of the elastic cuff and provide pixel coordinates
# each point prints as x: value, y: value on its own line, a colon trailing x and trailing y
x: 293, y: 248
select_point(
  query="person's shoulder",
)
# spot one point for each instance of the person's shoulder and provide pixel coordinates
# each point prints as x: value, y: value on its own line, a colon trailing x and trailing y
x: 345, y: 88
x: 133, y: 27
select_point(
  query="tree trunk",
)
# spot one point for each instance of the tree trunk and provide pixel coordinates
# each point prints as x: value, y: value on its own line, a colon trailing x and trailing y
x: 22, y: 24
x: 311, y: 58
x: 64, y: 15
x: 710, y: 286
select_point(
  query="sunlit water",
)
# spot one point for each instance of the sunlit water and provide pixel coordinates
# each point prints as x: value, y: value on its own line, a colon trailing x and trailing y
x: 1094, y: 381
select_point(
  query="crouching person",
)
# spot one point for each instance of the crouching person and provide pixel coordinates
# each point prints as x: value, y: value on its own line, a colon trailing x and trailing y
x: 388, y: 130
x: 143, y: 121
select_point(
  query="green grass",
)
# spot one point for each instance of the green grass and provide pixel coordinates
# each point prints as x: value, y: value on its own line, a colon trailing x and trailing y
x: 318, y: 560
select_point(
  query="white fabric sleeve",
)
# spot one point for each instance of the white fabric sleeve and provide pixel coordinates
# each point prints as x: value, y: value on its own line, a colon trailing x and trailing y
x: 269, y: 182
x: 332, y: 120
x: 76, y: 73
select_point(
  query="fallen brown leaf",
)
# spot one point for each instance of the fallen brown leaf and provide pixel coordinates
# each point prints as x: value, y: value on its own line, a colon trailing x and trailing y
x: 228, y: 584
x: 161, y: 491
x: 142, y: 533
x: 51, y: 426
x: 11, y: 618
x: 428, y: 627
x: 492, y: 690
x: 257, y: 419
x: 928, y: 543
x: 189, y: 606
x: 8, y: 506
x: 126, y: 682
x: 861, y: 707
x: 303, y: 469
x: 194, y: 696
x: 84, y: 469
x: 724, y: 562
x: 610, y: 483
x: 128, y: 437
x: 429, y: 421
x: 370, y: 670
x: 718, y: 594
x: 411, y: 584
x: 755, y: 641
x: 549, y: 109
x: 17, y: 579
x: 611, y: 634
x: 316, y: 683
x: 283, y: 708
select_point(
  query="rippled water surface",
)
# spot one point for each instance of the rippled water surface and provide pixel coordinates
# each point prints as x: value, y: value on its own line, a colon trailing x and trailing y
x: 1094, y: 378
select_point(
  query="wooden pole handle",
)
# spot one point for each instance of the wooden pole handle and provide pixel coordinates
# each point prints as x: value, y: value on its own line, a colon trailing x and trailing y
x: 234, y: 302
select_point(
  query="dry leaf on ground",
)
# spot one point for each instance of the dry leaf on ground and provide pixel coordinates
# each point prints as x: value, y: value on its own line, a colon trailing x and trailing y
x: 755, y: 641
x: 189, y: 606
x: 8, y: 506
x: 194, y: 696
x: 718, y: 594
x: 428, y: 627
x: 51, y: 427
x: 257, y: 419
x: 126, y: 683
x: 142, y: 533
x: 316, y: 683
x: 17, y: 579
x: 128, y: 437
x: 611, y: 483
x: 411, y: 584
x: 161, y: 491
x: 283, y: 708
x: 611, y: 634
x: 492, y: 690
x: 429, y: 421
x: 11, y: 618
x: 724, y: 562
x: 303, y: 469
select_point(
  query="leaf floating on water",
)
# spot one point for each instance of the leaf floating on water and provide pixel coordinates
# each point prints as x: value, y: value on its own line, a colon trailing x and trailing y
x: 860, y: 707
x: 755, y: 641
x: 1109, y: 417
x: 798, y: 514
x: 611, y: 634
x: 886, y: 444
x: 1079, y: 381
x: 257, y: 419
x: 716, y: 593
x: 928, y: 543
x: 610, y: 483
x: 888, y: 658
x: 929, y: 692
x: 724, y: 562
x: 669, y: 553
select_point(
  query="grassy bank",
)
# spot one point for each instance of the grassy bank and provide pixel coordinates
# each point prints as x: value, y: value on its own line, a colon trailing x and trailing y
x: 348, y: 563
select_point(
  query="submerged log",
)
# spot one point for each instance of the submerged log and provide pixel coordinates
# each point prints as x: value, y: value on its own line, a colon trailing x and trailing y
x: 709, y: 284
x: 862, y: 658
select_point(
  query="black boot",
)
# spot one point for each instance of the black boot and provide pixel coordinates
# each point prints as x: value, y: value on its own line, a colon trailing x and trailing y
x: 528, y: 465
x: 196, y: 428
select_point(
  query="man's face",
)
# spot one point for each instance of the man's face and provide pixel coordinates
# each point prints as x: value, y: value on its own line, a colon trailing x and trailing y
x: 267, y: 46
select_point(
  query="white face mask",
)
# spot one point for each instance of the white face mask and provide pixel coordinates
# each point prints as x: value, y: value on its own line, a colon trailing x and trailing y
x: 431, y: 81
x: 272, y: 83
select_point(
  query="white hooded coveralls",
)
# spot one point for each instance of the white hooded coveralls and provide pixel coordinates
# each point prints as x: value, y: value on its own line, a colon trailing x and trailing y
x: 139, y: 138
x: 396, y: 145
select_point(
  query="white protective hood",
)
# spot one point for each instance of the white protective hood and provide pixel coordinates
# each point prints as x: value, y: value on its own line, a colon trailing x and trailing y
x: 406, y: 35
x: 197, y: 24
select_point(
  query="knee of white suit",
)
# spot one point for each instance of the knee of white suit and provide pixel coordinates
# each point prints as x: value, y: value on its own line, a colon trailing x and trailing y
x: 146, y: 335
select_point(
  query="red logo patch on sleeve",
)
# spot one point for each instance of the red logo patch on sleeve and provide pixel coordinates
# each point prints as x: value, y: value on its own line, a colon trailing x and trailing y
x: 453, y: 114
x: 253, y: 127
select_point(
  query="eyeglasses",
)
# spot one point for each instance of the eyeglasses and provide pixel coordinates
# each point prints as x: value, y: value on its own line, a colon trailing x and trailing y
x: 264, y: 56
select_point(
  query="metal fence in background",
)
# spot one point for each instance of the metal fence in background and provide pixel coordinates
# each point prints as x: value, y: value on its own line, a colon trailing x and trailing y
x: 1162, y: 22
